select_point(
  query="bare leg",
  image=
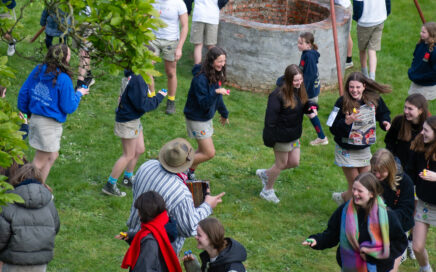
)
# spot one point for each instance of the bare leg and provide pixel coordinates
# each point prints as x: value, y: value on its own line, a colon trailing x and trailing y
x: 349, y: 46
x: 197, y: 53
x: 205, y: 152
x: 419, y: 237
x: 84, y: 64
x: 44, y: 161
x: 139, y: 150
x: 363, y: 59
x: 372, y: 54
x: 284, y: 160
x: 129, y: 153
x: 170, y: 70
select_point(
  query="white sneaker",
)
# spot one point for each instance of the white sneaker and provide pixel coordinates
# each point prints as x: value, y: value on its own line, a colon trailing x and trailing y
x: 11, y: 49
x: 337, y: 197
x: 429, y: 269
x: 410, y: 249
x: 349, y: 65
x: 404, y: 256
x: 261, y: 173
x: 319, y: 141
x: 269, y: 195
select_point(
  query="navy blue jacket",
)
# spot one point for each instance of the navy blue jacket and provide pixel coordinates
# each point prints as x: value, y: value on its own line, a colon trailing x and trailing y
x: 425, y: 190
x: 358, y: 8
x: 308, y: 64
x: 134, y: 101
x: 341, y: 130
x: 203, y: 101
x: 423, y: 70
x: 10, y: 4
x: 48, y: 19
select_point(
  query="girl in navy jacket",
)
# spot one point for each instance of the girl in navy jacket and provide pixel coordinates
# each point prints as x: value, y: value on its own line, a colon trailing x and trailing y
x: 352, y: 122
x: 205, y: 97
x: 422, y: 73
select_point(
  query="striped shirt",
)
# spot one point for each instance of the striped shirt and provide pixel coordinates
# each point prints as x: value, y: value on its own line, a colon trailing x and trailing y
x: 151, y: 176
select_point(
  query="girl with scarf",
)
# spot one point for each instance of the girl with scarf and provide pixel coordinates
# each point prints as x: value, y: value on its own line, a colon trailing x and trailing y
x: 422, y: 170
x: 150, y: 248
x: 370, y: 236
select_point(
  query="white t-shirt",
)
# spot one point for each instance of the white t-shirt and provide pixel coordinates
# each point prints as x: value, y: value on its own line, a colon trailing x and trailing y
x: 343, y: 3
x: 374, y: 13
x: 206, y: 11
x: 169, y: 10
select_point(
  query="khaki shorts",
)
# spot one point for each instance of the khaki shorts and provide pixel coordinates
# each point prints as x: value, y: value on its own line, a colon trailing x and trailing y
x: 128, y: 130
x: 370, y: 37
x: 199, y: 129
x: 44, y: 133
x: 204, y: 33
x: 352, y: 158
x: 429, y: 92
x: 425, y: 213
x: 287, y: 147
x: 168, y: 48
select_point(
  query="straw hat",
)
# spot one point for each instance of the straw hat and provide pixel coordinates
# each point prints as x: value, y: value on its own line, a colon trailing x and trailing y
x: 176, y: 156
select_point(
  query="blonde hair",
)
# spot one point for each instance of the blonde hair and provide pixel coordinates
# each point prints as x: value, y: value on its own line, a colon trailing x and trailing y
x: 383, y: 160
x: 431, y: 29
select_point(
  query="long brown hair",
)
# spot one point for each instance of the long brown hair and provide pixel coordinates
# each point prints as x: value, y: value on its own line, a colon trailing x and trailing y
x: 383, y: 160
x: 370, y: 95
x: 429, y: 149
x: 310, y: 39
x: 56, y: 61
x: 419, y: 101
x: 214, y: 230
x: 431, y: 29
x: 287, y: 90
x: 370, y: 182
x: 207, y: 68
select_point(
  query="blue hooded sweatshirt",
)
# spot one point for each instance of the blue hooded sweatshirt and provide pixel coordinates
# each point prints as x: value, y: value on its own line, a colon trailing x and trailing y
x: 203, y: 101
x: 40, y: 96
x: 308, y: 64
x: 423, y: 69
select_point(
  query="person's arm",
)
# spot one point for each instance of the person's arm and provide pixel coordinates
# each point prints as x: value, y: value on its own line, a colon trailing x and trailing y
x: 406, y: 202
x: 148, y: 260
x: 137, y: 94
x: 329, y: 237
x: 392, y: 135
x: 24, y: 93
x: 188, y: 216
x: 5, y: 232
x: 397, y: 237
x: 272, y: 110
x: 412, y: 167
x: 183, y: 34
x: 308, y: 66
x: 44, y: 15
x: 382, y: 115
x: 203, y: 91
x: 68, y: 98
x: 339, y: 127
x: 222, y: 109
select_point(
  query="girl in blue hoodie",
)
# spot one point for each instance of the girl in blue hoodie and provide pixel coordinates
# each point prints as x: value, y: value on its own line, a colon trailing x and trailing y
x: 308, y: 64
x: 47, y: 97
x: 422, y: 73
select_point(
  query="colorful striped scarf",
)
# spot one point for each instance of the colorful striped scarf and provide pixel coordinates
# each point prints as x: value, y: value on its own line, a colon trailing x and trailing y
x: 378, y: 229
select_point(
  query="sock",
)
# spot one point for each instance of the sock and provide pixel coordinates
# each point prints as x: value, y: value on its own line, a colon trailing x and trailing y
x: 364, y: 71
x: 128, y: 174
x: 317, y: 125
x: 171, y: 98
x: 151, y: 94
x: 112, y: 180
x: 372, y: 75
x: 349, y: 59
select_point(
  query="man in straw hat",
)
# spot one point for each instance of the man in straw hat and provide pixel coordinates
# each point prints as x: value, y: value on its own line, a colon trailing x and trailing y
x: 163, y: 176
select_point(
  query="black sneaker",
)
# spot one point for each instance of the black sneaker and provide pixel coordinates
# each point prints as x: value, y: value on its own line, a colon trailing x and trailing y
x: 112, y: 190
x: 89, y: 81
x: 171, y: 107
x: 128, y: 181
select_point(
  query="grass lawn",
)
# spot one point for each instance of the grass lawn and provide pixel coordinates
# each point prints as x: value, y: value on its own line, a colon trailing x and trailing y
x: 272, y: 234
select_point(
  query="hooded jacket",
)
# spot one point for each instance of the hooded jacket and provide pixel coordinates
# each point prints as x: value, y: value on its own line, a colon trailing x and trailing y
x: 229, y: 259
x: 39, y: 96
x: 203, y: 101
x: 309, y: 66
x: 28, y: 230
x: 423, y: 69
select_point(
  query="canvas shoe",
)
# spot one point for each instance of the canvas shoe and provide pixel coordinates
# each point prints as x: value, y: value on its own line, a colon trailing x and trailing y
x: 404, y: 256
x: 11, y: 49
x: 128, y: 181
x: 425, y: 269
x: 349, y: 65
x: 410, y: 249
x: 319, y: 141
x: 269, y: 195
x: 112, y: 190
x: 337, y: 197
x: 171, y: 107
x: 261, y: 173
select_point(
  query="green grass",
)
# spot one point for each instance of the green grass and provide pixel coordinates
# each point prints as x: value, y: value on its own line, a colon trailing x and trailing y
x: 271, y: 233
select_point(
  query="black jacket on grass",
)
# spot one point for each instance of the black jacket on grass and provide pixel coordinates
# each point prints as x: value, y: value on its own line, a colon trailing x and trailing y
x: 330, y: 238
x: 229, y: 259
x: 425, y: 190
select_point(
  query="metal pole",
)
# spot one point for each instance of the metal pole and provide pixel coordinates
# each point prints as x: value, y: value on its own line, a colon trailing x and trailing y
x: 335, y: 39
x: 419, y: 11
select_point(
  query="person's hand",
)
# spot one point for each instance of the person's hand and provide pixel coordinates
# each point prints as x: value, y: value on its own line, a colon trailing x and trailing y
x: 121, y: 237
x: 24, y: 118
x: 387, y: 125
x: 83, y: 91
x: 222, y: 91
x: 224, y: 121
x: 163, y: 93
x: 188, y: 258
x: 309, y: 242
x: 313, y: 114
x: 363, y: 252
x: 351, y: 118
x: 427, y: 175
x: 177, y: 54
x: 214, y: 200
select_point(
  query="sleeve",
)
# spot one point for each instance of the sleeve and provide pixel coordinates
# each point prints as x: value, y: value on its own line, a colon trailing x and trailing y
x: 137, y: 95
x: 68, y: 98
x: 201, y: 91
x: 392, y: 135
x: 188, y: 216
x: 24, y: 93
x: 382, y: 113
x: 148, y: 260
x: 330, y: 237
x: 44, y: 15
x: 222, y: 107
x: 339, y: 127
x: 272, y: 110
x: 406, y: 202
x: 412, y: 167
x: 192, y: 266
x: 55, y: 215
x: 397, y: 237
x: 309, y: 68
x: 5, y: 232
x: 182, y: 8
